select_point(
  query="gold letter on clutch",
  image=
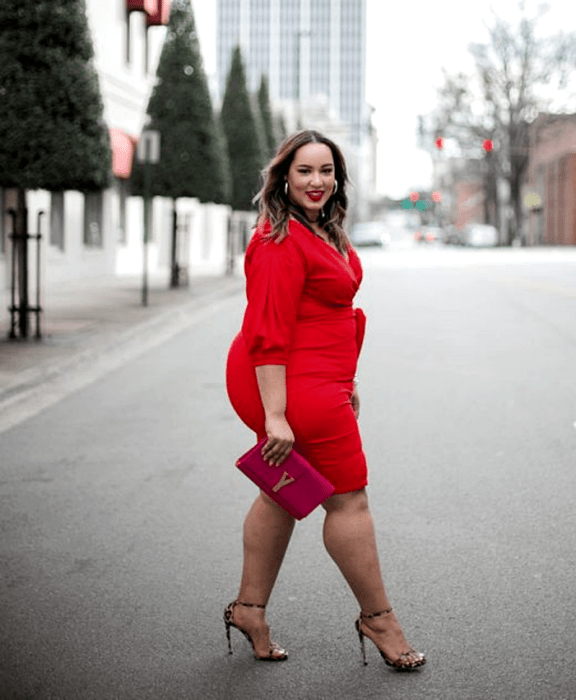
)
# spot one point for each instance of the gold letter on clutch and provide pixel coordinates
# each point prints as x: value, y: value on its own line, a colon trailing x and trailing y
x: 284, y: 481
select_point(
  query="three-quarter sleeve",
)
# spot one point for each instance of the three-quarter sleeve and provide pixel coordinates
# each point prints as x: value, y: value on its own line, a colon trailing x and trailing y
x: 275, y: 276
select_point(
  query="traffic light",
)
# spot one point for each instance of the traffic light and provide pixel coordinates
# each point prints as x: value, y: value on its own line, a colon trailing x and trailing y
x: 436, y: 196
x: 413, y: 200
x: 439, y: 143
x: 488, y: 145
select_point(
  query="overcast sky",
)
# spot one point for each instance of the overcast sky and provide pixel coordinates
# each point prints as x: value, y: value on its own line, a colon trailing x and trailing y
x: 407, y: 46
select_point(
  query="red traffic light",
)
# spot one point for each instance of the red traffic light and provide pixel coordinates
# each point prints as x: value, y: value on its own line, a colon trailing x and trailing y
x: 439, y: 142
x: 488, y: 145
x: 414, y: 196
x: 436, y: 196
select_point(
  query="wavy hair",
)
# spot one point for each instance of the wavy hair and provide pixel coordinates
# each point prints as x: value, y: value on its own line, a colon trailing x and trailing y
x: 275, y: 205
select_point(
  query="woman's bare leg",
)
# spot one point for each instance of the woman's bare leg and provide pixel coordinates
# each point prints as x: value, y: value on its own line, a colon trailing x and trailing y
x: 351, y: 542
x: 267, y: 532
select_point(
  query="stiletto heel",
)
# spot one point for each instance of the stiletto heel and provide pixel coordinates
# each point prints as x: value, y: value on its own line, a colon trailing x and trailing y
x: 408, y: 661
x: 362, y: 643
x: 228, y: 623
x: 276, y: 653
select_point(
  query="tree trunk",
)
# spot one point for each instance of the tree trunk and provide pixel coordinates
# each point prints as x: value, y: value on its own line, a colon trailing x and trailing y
x: 21, y: 243
x: 519, y: 218
x: 490, y: 191
x: 174, y: 269
x: 516, y: 199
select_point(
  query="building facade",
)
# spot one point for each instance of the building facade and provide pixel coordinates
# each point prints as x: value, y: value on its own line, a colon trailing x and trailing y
x: 101, y: 233
x: 314, y: 54
x: 549, y: 192
x: 461, y: 183
x: 313, y: 51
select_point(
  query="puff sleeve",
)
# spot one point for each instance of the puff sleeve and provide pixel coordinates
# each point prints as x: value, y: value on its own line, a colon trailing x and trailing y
x: 275, y: 277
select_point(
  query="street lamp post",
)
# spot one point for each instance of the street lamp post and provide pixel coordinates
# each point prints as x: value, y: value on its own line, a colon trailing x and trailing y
x: 148, y: 152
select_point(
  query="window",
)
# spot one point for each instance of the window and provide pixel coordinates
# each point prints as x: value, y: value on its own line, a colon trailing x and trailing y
x: 93, y: 236
x: 3, y: 221
x: 57, y: 220
x: 128, y: 54
x: 146, y: 51
x: 122, y: 195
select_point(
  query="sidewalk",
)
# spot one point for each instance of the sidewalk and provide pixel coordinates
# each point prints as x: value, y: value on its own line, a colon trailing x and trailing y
x: 86, y: 318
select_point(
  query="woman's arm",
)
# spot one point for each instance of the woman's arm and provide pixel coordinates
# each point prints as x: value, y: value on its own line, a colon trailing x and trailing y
x: 355, y: 401
x: 272, y: 386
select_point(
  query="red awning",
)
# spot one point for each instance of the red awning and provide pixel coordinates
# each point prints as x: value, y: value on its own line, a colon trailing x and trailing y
x: 148, y: 6
x: 162, y: 14
x: 123, y: 148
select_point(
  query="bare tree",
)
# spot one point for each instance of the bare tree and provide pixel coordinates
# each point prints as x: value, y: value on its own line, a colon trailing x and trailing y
x: 514, y: 76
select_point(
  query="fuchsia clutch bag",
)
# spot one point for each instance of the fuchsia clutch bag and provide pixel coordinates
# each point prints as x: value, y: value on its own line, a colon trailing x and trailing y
x: 295, y: 484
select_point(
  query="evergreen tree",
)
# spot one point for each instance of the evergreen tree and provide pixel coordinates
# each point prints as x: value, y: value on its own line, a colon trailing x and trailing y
x: 192, y: 156
x: 280, y: 128
x: 223, y: 159
x: 52, y: 131
x: 239, y: 125
x: 266, y: 116
x: 51, y: 128
x: 260, y: 131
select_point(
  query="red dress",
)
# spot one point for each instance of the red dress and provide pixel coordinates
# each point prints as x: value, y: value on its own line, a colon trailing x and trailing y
x: 300, y: 314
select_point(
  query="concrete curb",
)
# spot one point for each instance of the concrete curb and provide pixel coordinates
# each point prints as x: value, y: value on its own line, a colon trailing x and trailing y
x: 166, y: 322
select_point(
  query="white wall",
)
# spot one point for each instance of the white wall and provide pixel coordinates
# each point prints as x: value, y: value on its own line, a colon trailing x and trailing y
x: 208, y: 238
x: 202, y: 237
x: 125, y: 86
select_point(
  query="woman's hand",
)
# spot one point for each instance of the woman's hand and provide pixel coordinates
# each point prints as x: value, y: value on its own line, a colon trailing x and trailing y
x: 280, y: 440
x: 355, y: 401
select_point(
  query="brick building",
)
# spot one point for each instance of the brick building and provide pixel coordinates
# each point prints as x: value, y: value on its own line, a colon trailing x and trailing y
x: 462, y: 184
x: 549, y: 192
x: 468, y: 202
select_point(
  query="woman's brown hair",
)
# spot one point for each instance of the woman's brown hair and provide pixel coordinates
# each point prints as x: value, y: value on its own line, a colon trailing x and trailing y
x: 275, y: 205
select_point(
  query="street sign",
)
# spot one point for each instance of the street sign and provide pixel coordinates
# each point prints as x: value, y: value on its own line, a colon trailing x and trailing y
x: 148, y: 149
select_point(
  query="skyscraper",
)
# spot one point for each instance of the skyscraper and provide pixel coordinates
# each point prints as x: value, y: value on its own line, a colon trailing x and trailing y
x: 309, y: 49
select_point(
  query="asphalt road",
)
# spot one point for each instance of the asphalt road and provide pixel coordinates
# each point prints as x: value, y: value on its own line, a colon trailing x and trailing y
x: 121, y: 512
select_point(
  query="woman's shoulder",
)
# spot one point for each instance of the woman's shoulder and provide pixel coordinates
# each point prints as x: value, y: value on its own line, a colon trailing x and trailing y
x: 263, y: 235
x: 264, y: 242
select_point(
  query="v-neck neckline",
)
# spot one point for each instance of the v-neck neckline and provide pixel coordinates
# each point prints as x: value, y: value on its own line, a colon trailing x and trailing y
x: 345, y: 259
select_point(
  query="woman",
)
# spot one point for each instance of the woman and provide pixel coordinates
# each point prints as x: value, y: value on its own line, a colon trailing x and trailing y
x: 290, y: 377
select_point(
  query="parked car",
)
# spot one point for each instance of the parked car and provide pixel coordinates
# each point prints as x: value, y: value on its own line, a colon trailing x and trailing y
x: 480, y: 236
x: 451, y: 235
x: 370, y: 233
x: 428, y: 234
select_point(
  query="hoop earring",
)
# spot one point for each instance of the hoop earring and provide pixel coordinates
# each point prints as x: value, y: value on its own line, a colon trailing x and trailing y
x: 335, y: 187
x: 286, y: 188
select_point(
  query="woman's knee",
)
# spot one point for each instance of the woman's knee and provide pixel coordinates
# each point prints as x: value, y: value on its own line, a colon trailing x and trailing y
x: 354, y: 501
